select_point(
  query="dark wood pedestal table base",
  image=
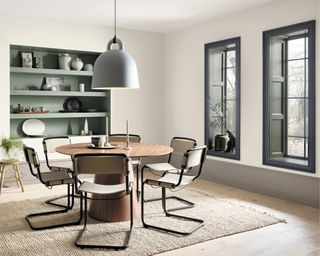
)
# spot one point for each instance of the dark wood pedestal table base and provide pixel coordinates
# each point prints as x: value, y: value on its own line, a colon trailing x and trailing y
x: 116, y: 209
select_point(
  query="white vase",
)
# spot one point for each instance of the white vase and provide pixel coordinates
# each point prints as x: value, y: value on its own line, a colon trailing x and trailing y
x: 64, y: 61
x: 88, y: 67
x: 77, y: 64
x: 86, y: 127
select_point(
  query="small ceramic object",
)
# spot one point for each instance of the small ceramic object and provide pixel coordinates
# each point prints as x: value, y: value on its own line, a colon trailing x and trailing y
x: 88, y: 67
x: 77, y: 64
x: 27, y: 109
x: 27, y: 60
x: 64, y: 61
x: 53, y: 88
x: 95, y: 140
x: 36, y: 62
x: 86, y: 127
x: 102, y: 141
x: 45, y: 87
x: 81, y: 87
x: 19, y: 109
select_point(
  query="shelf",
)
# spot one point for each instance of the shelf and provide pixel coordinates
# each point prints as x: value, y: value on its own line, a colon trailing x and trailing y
x: 56, y: 93
x: 58, y: 115
x: 45, y: 71
x: 57, y: 123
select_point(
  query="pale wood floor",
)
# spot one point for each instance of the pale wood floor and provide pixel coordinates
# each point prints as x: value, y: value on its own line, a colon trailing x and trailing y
x: 299, y: 237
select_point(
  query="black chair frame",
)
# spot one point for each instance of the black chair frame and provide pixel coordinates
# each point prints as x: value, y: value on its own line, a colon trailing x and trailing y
x: 84, y: 197
x: 188, y: 204
x: 70, y: 196
x: 55, y: 168
x: 164, y: 205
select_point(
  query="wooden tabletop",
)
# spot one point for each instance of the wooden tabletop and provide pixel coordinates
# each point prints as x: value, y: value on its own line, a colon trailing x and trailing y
x: 117, y: 209
x: 138, y: 149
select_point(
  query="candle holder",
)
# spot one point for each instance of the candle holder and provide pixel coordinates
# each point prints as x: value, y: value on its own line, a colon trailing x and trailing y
x: 128, y: 147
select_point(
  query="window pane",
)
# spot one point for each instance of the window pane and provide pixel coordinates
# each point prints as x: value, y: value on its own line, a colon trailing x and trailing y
x: 231, y: 116
x: 296, y: 117
x: 231, y: 59
x: 216, y: 100
x: 216, y: 125
x: 296, y: 147
x: 296, y: 78
x: 231, y: 83
x: 296, y: 48
x: 216, y: 60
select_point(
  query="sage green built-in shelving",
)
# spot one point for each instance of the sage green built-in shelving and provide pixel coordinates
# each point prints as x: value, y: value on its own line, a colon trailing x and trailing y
x: 57, y: 94
x: 59, y: 115
x: 26, y: 86
x: 46, y: 71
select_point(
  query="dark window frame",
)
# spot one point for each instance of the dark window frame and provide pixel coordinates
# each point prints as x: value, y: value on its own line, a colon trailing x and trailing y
x: 208, y: 46
x: 267, y: 35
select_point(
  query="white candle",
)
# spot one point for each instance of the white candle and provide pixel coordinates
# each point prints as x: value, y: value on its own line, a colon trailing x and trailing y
x: 107, y: 125
x: 127, y: 128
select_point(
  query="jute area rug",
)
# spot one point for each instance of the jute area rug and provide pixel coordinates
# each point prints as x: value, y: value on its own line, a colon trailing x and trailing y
x: 222, y: 218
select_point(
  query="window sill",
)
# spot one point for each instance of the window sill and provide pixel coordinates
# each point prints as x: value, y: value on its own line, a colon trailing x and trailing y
x: 291, y: 160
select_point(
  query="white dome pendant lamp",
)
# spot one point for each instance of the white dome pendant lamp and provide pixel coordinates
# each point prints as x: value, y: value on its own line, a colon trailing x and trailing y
x: 115, y: 69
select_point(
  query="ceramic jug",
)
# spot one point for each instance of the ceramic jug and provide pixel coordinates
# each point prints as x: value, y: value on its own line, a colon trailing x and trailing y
x: 64, y: 61
x: 77, y: 64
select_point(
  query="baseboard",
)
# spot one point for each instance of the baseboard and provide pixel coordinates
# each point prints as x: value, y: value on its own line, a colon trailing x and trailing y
x: 291, y: 187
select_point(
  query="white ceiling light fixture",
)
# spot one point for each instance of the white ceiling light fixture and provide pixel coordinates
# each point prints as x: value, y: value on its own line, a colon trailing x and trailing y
x: 115, y: 69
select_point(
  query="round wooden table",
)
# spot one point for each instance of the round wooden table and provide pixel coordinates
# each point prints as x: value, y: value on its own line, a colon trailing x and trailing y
x: 115, y: 209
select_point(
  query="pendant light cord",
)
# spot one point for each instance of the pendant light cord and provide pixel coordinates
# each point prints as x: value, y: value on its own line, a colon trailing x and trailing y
x: 115, y: 21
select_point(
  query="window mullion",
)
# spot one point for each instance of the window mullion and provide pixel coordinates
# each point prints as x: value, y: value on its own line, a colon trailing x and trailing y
x: 286, y: 88
x: 305, y: 95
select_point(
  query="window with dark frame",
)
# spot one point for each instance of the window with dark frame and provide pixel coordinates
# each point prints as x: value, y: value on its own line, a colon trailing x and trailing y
x: 222, y: 93
x: 289, y: 103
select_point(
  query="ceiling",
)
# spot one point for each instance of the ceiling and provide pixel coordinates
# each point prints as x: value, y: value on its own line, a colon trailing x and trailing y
x: 160, y: 16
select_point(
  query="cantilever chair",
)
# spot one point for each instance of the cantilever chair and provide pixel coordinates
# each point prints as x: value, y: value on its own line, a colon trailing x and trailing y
x: 180, y: 145
x: 50, y: 179
x: 192, y: 158
x: 103, y: 164
x: 122, y: 137
x: 49, y: 148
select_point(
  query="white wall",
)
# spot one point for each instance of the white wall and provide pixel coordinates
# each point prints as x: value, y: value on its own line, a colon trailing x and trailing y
x: 184, y: 73
x: 170, y: 101
x: 143, y: 107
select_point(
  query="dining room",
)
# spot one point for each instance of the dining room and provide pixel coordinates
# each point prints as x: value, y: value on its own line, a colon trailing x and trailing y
x: 159, y: 127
